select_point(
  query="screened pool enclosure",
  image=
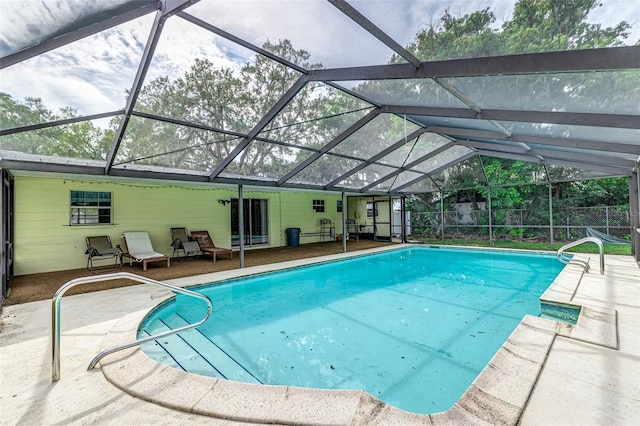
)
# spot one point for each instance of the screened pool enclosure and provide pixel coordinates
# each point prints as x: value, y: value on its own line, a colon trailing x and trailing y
x: 380, y: 98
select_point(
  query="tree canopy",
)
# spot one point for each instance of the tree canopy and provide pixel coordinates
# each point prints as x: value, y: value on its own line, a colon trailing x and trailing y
x: 225, y: 102
x: 534, y: 26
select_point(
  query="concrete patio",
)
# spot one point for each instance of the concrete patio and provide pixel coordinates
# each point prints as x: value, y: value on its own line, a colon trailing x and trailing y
x: 578, y: 382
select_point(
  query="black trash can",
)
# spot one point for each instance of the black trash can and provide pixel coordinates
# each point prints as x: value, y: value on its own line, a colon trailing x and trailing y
x: 293, y: 237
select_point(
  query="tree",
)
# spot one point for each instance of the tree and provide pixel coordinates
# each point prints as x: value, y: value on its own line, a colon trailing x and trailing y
x: 227, y: 100
x: 535, y: 26
x: 458, y: 37
x: 547, y: 25
x: 234, y: 100
x: 79, y: 140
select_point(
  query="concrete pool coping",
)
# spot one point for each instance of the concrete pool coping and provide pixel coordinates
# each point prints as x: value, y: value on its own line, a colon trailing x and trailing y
x: 497, y: 396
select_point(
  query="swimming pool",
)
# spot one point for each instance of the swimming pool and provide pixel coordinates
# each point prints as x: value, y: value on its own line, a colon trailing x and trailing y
x: 413, y: 327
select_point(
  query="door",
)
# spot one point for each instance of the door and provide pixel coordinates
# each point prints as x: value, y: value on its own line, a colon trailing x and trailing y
x: 6, y: 234
x: 382, y: 220
x: 256, y: 222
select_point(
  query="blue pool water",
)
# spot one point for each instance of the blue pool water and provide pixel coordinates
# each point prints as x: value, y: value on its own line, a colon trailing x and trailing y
x: 413, y: 327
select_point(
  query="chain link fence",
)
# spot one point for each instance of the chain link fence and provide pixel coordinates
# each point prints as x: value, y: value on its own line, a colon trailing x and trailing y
x: 521, y: 224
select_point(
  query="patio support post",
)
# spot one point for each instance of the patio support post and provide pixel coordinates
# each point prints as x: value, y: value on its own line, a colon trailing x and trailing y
x: 403, y: 219
x: 550, y: 215
x: 634, y: 207
x: 490, y: 218
x: 241, y: 223
x: 442, y: 214
x: 390, y: 219
x: 375, y: 224
x: 344, y: 223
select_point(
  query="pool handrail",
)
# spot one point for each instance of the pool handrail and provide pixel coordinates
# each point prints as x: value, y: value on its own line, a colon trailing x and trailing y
x: 55, y: 322
x: 564, y: 259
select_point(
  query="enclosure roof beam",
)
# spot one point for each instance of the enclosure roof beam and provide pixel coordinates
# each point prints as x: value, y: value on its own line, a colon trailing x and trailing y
x: 186, y: 123
x: 409, y: 166
x: 238, y: 135
x: 342, y: 136
x: 454, y: 91
x: 98, y: 170
x: 613, y: 170
x: 381, y: 154
x: 235, y: 134
x: 62, y: 122
x: 270, y: 115
x: 435, y: 171
x: 456, y: 133
x: 569, y: 118
x: 78, y: 34
x: 174, y: 7
x: 551, y: 117
x: 145, y: 61
x: 365, y: 23
x: 39, y: 166
x: 578, y: 164
x: 515, y: 149
x: 604, y: 158
x: 585, y: 60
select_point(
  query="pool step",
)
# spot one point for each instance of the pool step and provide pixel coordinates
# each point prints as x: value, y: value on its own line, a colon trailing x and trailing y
x: 173, y: 351
x: 200, y: 355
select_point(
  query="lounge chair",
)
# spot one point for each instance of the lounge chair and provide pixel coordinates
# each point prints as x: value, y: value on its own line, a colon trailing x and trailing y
x: 100, y: 247
x: 207, y: 246
x: 606, y: 238
x: 139, y: 248
x: 180, y: 240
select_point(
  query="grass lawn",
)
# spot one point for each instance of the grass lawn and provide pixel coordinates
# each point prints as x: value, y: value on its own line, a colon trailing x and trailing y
x: 623, y: 249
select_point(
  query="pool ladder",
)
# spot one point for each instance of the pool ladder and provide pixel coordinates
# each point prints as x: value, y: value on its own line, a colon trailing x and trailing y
x: 55, y: 326
x: 566, y: 260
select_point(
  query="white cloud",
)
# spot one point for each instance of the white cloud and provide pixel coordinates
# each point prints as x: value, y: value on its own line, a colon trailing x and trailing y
x: 94, y: 74
x: 59, y: 90
x: 403, y: 19
x: 182, y: 42
x: 26, y: 21
x: 611, y: 12
x: 90, y: 75
x: 314, y: 25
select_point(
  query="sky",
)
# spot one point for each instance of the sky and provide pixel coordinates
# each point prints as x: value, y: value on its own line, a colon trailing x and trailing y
x: 94, y: 74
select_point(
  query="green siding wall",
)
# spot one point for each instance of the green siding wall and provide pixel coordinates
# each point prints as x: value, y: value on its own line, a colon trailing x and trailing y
x: 300, y: 214
x: 45, y: 242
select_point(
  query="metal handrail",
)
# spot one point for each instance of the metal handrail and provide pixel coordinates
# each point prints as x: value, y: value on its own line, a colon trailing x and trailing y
x: 564, y: 259
x: 55, y: 326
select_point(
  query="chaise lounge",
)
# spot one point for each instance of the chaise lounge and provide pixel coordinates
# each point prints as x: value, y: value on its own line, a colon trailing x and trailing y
x: 100, y: 247
x: 181, y: 241
x: 207, y: 246
x: 140, y: 249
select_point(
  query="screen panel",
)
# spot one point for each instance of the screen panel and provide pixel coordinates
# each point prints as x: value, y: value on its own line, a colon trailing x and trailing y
x: 327, y: 37
x: 157, y: 143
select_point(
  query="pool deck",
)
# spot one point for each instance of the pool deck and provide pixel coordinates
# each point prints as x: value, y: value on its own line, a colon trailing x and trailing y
x: 546, y: 373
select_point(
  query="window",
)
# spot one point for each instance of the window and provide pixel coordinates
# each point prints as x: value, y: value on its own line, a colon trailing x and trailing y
x: 90, y: 208
x: 339, y: 206
x: 318, y: 206
x: 370, y: 210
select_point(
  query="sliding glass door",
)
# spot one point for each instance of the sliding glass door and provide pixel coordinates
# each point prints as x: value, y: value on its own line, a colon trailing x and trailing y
x: 256, y: 222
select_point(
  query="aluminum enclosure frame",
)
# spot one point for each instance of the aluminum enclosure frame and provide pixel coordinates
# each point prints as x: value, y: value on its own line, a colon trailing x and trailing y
x: 609, y: 157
